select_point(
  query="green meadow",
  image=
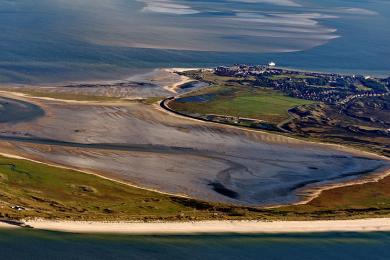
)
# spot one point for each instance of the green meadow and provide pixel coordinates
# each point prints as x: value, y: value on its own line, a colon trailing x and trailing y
x: 241, y: 101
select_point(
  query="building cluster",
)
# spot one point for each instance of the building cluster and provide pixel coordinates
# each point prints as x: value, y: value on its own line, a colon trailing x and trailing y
x: 330, y: 88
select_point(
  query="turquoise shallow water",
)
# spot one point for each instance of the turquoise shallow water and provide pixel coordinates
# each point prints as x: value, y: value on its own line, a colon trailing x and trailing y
x: 32, y: 244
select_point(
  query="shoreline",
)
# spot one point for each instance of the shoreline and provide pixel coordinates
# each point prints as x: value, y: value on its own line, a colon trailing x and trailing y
x: 210, y: 227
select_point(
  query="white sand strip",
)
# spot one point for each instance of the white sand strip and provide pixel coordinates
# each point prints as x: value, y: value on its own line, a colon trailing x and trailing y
x: 248, y: 227
x: 5, y: 225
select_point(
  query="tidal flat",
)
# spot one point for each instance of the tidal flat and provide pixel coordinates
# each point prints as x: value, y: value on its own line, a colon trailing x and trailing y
x: 142, y: 145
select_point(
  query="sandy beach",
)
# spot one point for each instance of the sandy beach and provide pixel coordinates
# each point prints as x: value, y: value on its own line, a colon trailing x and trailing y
x: 5, y: 225
x: 245, y: 227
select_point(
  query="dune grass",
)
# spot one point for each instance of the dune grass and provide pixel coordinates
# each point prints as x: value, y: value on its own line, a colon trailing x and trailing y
x: 52, y: 192
x: 355, y: 201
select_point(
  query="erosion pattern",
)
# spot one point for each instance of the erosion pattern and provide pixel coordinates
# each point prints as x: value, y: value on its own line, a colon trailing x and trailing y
x: 143, y: 145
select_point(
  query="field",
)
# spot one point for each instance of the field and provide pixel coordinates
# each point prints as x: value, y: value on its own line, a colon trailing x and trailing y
x: 29, y: 190
x: 294, y: 76
x: 239, y: 101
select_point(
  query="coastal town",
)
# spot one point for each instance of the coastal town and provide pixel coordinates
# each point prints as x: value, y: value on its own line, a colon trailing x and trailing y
x: 330, y: 88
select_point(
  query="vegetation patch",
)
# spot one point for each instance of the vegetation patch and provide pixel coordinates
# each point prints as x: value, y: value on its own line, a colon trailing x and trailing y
x: 239, y: 101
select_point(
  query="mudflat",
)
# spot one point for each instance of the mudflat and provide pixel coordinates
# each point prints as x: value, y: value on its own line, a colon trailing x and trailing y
x: 145, y: 146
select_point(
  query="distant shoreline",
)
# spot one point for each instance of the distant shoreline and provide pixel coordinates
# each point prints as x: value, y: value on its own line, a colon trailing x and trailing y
x: 211, y: 227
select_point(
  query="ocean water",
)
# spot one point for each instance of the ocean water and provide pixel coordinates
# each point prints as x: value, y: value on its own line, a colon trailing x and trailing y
x: 33, y: 244
x: 45, y: 41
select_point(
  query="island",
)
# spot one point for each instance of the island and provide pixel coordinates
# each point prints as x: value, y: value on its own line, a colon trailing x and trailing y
x: 258, y: 144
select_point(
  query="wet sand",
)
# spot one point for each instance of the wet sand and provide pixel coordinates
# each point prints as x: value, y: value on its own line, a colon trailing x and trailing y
x: 13, y: 111
x: 141, y: 145
x: 5, y: 225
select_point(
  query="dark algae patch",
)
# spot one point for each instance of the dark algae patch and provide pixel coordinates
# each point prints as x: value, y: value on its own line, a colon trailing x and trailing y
x: 220, y: 188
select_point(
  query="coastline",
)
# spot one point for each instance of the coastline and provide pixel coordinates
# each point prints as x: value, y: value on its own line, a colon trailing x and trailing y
x: 183, y: 79
x: 4, y: 225
x: 212, y: 227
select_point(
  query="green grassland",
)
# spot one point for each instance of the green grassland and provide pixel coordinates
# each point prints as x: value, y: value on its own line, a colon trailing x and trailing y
x: 362, y: 200
x: 293, y: 76
x: 56, y: 193
x: 361, y: 87
x: 241, y: 101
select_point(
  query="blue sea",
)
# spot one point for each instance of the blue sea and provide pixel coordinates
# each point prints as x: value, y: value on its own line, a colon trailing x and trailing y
x: 33, y: 244
x: 43, y: 41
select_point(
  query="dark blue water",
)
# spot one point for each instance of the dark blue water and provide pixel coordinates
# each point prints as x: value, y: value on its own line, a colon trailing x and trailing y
x: 24, y: 244
x: 200, y: 98
x: 57, y: 40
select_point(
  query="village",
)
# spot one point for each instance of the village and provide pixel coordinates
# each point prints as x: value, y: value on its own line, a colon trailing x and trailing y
x: 330, y: 88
